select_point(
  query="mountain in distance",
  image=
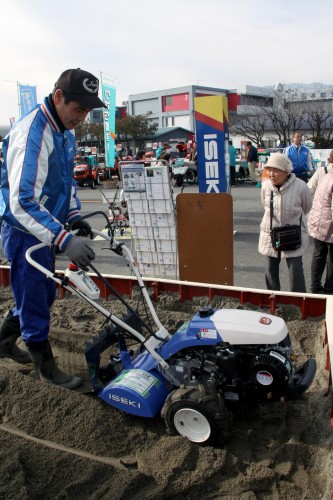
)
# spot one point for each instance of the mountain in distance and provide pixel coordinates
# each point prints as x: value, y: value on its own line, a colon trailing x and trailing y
x: 315, y: 86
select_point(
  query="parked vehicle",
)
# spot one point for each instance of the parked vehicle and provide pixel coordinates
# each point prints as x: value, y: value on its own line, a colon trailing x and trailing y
x: 118, y: 213
x: 102, y: 167
x: 85, y: 173
x: 242, y: 171
x: 184, y: 171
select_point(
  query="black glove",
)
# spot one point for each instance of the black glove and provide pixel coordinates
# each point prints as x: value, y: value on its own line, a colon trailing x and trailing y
x: 79, y: 253
x: 83, y: 227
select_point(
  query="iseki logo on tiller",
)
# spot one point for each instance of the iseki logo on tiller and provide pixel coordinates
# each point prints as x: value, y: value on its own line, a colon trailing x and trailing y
x: 124, y: 401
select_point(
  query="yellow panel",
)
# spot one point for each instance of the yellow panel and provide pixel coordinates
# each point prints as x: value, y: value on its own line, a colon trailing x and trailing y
x: 225, y: 108
x: 211, y: 106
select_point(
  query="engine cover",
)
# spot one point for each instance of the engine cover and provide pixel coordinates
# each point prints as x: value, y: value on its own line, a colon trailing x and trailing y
x: 242, y: 327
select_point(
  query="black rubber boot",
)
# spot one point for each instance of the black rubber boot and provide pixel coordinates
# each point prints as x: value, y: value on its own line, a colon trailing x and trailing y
x: 42, y: 357
x: 9, y: 333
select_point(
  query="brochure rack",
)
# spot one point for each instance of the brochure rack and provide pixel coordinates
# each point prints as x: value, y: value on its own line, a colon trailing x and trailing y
x: 152, y: 217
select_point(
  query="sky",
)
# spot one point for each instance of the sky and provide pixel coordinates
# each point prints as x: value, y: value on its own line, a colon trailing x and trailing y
x: 150, y: 45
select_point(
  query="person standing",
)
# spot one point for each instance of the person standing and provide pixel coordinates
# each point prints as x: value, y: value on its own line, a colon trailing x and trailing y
x: 194, y: 154
x: 320, y: 174
x: 140, y: 155
x: 158, y: 152
x: 320, y: 226
x: 38, y: 197
x: 290, y: 200
x: 252, y: 160
x: 232, y: 155
x: 300, y: 157
x: 166, y: 150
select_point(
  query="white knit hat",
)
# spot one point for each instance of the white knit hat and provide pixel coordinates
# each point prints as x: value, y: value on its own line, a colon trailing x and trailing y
x: 280, y: 161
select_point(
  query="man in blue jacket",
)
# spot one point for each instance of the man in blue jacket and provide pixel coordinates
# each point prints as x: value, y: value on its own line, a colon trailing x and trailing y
x: 300, y: 157
x: 38, y: 197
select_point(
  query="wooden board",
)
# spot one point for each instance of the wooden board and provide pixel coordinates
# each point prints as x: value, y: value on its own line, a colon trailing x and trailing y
x: 205, y: 237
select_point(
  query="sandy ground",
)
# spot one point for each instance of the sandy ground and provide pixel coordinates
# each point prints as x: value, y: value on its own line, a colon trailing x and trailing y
x: 60, y: 444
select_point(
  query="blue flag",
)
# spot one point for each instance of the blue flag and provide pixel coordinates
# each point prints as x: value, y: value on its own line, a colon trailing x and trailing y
x: 28, y: 99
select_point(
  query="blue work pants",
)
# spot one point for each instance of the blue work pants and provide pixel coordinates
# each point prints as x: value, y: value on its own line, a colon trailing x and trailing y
x: 33, y: 292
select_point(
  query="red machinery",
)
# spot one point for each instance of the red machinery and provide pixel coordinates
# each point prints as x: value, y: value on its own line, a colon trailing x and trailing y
x: 86, y: 172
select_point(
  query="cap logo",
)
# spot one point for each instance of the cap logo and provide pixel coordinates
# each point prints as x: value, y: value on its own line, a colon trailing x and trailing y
x: 90, y: 85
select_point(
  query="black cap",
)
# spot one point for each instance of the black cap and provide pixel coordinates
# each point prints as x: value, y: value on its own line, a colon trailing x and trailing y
x: 80, y: 86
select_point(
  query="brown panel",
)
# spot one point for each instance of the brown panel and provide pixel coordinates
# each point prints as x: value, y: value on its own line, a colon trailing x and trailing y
x: 205, y: 237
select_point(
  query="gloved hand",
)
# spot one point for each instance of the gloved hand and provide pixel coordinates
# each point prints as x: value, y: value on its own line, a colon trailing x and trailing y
x: 83, y: 227
x: 79, y: 253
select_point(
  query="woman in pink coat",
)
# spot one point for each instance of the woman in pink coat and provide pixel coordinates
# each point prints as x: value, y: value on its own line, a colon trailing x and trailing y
x: 320, y: 227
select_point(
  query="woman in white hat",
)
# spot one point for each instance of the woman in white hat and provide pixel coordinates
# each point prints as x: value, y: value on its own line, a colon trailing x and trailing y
x: 291, y: 200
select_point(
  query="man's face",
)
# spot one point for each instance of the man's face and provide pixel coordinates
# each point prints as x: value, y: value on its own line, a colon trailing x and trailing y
x: 70, y: 114
x: 298, y: 139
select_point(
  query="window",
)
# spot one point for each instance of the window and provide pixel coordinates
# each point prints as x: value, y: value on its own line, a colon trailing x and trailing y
x: 168, y: 100
x: 168, y: 121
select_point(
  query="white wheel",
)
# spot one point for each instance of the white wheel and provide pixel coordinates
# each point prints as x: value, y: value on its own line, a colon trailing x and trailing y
x: 192, y: 424
x: 206, y: 422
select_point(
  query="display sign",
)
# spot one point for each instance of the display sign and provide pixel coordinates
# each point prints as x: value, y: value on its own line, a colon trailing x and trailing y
x: 109, y: 118
x: 133, y: 178
x: 212, y: 135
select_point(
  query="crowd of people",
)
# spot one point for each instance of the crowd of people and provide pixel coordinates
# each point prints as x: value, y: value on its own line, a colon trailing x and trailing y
x: 289, y: 199
x: 294, y: 193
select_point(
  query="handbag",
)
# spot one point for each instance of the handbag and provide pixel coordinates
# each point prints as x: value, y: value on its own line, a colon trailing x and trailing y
x: 284, y: 238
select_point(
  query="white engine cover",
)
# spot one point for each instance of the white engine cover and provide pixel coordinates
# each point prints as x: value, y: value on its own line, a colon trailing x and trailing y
x: 238, y: 326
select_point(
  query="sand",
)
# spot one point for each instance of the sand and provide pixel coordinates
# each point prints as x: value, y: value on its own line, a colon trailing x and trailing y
x: 60, y: 444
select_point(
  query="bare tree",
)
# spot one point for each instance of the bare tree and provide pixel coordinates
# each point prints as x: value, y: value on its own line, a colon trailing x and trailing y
x: 252, y: 126
x: 288, y: 111
x: 284, y: 122
x: 320, y: 120
x: 314, y: 114
x: 96, y: 131
x: 81, y: 131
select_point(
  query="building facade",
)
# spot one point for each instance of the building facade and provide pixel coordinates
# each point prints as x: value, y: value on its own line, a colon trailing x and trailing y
x: 171, y: 107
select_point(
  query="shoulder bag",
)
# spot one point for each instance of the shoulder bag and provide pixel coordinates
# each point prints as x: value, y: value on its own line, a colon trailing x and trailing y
x: 284, y: 238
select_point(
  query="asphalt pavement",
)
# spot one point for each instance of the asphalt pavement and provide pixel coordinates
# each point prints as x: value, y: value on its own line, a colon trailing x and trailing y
x: 247, y: 214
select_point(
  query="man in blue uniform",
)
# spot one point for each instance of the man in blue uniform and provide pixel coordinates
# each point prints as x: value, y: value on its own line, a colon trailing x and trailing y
x: 300, y: 156
x: 38, y: 197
